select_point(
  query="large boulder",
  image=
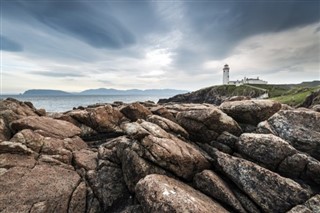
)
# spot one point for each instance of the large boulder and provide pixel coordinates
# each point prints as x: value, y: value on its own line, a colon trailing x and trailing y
x: 19, y: 108
x: 163, y: 112
x: 301, y: 128
x: 135, y: 168
x: 175, y: 155
x: 212, y: 185
x: 250, y: 111
x: 174, y: 108
x: 269, y: 190
x: 206, y: 125
x: 165, y: 150
x: 107, y: 179
x: 11, y: 110
x: 168, y: 125
x: 86, y: 159
x: 44, y: 188
x: 310, y: 206
x: 46, y: 126
x: 49, y: 150
x: 135, y: 111
x: 103, y: 119
x: 265, y: 149
x: 300, y: 166
x: 159, y: 193
x: 109, y: 186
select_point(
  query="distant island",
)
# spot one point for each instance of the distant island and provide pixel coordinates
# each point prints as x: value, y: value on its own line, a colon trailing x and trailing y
x: 103, y: 91
x: 45, y: 92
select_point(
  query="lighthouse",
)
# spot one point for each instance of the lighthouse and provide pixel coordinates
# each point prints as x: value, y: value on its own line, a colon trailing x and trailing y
x: 226, y: 74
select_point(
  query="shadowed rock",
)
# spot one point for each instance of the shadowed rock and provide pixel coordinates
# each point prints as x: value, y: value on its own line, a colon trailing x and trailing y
x: 135, y: 111
x: 135, y: 168
x: 206, y: 125
x: 103, y: 119
x: 310, y: 206
x: 212, y: 185
x: 269, y: 190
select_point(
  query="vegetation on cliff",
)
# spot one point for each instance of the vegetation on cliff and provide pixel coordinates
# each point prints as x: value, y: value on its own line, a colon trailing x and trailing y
x: 291, y: 94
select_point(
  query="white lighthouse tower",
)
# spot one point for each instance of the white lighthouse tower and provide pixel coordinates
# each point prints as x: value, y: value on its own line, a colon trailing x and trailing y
x: 226, y: 74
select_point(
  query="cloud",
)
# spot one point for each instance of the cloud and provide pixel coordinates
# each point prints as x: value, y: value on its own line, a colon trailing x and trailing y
x: 294, y: 53
x: 156, y: 44
x: 9, y: 45
x: 57, y: 74
x: 80, y: 20
x: 214, y: 28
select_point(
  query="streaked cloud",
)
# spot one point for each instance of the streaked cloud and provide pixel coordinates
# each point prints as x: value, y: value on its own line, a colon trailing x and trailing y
x: 9, y: 45
x: 76, y: 45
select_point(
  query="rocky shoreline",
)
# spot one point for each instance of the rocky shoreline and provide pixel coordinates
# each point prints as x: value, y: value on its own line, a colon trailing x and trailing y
x: 242, y: 156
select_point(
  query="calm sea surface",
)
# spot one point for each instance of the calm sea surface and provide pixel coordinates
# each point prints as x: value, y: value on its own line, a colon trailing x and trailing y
x: 65, y: 103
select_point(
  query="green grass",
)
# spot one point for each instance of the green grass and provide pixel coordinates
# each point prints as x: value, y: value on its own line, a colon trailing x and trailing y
x: 232, y: 90
x: 295, y: 96
x: 291, y: 94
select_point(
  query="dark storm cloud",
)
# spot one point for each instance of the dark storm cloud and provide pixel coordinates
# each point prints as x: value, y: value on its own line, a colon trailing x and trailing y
x: 226, y: 23
x: 9, y: 45
x: 217, y: 27
x: 78, y: 19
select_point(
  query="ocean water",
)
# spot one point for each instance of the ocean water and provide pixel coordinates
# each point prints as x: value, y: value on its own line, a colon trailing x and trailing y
x: 65, y: 103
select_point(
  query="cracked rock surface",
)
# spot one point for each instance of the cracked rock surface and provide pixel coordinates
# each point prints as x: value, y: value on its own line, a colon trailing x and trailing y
x: 145, y: 157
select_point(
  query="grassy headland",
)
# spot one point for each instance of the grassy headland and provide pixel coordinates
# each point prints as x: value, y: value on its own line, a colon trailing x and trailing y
x: 291, y: 94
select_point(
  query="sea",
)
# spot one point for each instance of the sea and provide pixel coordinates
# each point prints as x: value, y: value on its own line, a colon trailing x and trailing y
x: 66, y: 103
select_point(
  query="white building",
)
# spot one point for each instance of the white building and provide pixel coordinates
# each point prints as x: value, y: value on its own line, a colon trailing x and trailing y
x: 245, y: 80
x: 226, y: 74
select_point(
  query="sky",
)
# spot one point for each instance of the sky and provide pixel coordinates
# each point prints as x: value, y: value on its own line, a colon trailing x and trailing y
x: 74, y: 45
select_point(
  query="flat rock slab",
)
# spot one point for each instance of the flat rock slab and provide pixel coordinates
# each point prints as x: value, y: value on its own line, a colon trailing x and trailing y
x: 175, y: 155
x: 266, y: 149
x: 269, y: 190
x: 135, y: 111
x: 46, y: 186
x: 47, y: 126
x: 301, y: 128
x: 207, y: 124
x: 250, y: 111
x: 168, y: 125
x: 159, y: 193
x: 212, y: 185
x: 103, y: 119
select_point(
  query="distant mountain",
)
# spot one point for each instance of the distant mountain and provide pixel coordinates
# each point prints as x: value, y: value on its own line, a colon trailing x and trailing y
x: 104, y: 91
x: 310, y: 84
x: 45, y: 92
